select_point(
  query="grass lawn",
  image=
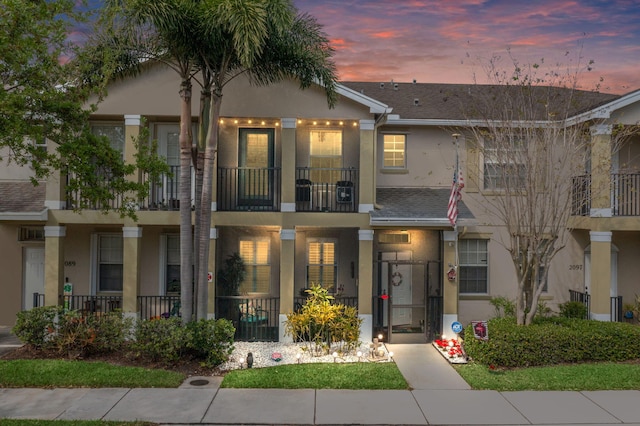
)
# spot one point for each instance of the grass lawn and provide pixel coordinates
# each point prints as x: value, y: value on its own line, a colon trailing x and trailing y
x: 319, y: 376
x: 577, y: 377
x: 58, y: 373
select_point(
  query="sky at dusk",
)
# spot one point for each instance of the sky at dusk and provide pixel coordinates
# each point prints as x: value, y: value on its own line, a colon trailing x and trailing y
x: 449, y: 41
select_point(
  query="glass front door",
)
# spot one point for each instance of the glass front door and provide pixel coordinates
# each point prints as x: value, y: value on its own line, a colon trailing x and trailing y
x: 255, y: 171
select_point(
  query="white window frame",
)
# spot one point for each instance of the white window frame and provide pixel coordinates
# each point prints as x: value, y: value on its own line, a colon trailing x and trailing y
x: 119, y: 145
x: 484, y: 264
x: 95, y: 262
x: 164, y: 259
x: 394, y: 150
x: 254, y: 241
x: 492, y: 160
x: 333, y: 241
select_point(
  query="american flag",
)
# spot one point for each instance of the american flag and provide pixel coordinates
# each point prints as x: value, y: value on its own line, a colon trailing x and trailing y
x: 456, y: 195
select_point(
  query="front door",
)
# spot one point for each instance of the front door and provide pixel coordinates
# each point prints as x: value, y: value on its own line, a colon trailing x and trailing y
x: 33, y: 276
x: 255, y: 171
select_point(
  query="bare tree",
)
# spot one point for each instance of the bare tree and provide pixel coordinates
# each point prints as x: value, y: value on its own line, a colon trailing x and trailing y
x: 524, y: 128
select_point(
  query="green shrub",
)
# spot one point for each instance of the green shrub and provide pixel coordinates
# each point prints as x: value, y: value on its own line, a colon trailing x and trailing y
x: 211, y: 340
x: 36, y: 326
x: 162, y: 340
x: 573, y: 310
x: 553, y: 340
x: 321, y: 323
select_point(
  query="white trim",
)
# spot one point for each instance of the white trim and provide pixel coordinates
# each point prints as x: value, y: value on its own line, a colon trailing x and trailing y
x: 287, y: 234
x: 601, y: 129
x: 162, y: 264
x: 132, y: 120
x: 447, y: 321
x: 366, y: 328
x: 365, y: 235
x: 449, y: 236
x: 287, y: 207
x: 54, y: 204
x: 375, y: 107
x: 365, y: 208
x: 55, y: 231
x: 367, y: 124
x: 600, y: 317
x: 43, y: 215
x: 93, y: 263
x: 282, y: 338
x: 131, y: 232
x: 288, y: 123
x: 602, y: 212
x: 403, y: 221
x: 600, y: 236
x: 213, y: 233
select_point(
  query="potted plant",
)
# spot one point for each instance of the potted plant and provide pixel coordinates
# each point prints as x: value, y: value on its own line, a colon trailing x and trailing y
x: 628, y: 311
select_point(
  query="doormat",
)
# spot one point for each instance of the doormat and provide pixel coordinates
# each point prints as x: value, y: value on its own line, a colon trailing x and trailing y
x: 406, y: 329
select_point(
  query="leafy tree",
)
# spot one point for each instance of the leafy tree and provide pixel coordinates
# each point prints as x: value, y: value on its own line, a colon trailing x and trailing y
x: 523, y: 127
x: 43, y: 101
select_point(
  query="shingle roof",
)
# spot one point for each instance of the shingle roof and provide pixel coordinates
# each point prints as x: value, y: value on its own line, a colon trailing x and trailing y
x: 21, y: 197
x: 415, y: 205
x: 461, y: 101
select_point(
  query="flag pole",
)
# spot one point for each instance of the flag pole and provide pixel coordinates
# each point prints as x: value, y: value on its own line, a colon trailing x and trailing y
x: 457, y: 174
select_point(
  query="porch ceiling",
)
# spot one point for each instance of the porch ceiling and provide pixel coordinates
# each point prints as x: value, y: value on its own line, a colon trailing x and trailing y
x: 414, y: 206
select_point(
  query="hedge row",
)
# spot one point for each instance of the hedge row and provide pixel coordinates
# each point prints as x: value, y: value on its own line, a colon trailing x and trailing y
x: 553, y: 340
x: 71, y: 334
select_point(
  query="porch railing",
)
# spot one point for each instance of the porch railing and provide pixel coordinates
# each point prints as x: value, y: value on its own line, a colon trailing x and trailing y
x: 164, y: 194
x: 74, y: 198
x: 153, y: 307
x: 298, y: 302
x: 91, y: 304
x: 255, y: 318
x: 625, y: 194
x: 38, y: 300
x: 584, y: 298
x: 248, y: 189
x: 326, y: 189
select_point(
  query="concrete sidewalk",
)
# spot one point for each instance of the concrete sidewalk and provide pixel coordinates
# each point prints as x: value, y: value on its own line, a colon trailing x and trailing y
x: 438, y: 396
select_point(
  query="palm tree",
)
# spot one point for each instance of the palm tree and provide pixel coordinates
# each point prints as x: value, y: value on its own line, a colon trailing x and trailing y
x: 166, y: 31
x: 217, y: 40
x: 267, y: 41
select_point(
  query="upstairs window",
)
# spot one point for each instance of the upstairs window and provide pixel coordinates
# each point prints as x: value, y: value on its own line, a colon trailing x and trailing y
x: 503, y: 164
x: 394, y: 155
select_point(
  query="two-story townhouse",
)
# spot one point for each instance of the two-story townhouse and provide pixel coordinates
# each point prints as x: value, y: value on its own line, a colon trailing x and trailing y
x: 352, y: 198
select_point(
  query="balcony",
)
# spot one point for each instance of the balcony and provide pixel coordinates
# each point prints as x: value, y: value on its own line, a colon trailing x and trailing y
x: 326, y: 189
x: 248, y: 189
x: 625, y: 195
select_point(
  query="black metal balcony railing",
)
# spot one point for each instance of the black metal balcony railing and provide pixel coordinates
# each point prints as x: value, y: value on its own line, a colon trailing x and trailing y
x: 326, y: 189
x: 91, y: 304
x: 625, y: 195
x: 164, y: 194
x: 74, y: 198
x: 154, y: 307
x: 255, y: 318
x: 248, y: 189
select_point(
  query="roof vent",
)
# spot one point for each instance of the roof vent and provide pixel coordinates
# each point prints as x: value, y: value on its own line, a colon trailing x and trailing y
x: 382, y: 85
x: 416, y: 101
x: 395, y: 86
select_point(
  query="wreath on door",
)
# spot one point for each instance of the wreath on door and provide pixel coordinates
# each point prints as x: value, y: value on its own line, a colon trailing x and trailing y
x: 396, y: 278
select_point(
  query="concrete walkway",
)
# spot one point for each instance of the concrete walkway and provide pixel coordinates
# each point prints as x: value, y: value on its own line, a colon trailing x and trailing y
x: 438, y: 396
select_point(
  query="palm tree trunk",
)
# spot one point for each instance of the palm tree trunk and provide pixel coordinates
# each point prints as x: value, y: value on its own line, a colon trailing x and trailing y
x: 186, y: 239
x: 205, y: 205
